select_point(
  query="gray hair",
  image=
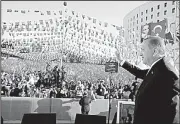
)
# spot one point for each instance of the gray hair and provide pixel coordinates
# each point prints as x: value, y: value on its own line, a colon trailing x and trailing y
x: 157, y: 43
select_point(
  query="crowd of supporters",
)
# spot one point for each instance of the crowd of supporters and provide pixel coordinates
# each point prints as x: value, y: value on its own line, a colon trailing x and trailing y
x: 51, y: 84
x: 80, y: 41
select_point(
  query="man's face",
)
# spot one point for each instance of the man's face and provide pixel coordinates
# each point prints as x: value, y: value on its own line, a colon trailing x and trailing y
x: 145, y: 31
x: 146, y: 52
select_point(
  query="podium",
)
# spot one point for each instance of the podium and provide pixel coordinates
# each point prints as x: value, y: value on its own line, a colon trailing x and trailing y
x: 125, y: 112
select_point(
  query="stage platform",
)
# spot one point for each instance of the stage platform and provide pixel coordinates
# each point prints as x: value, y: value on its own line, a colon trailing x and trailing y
x: 57, y: 122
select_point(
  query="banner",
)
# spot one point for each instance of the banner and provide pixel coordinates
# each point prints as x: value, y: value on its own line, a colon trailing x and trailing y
x: 158, y: 29
x: 111, y: 67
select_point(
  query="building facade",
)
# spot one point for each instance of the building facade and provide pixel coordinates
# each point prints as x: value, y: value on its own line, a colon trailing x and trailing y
x: 153, y: 11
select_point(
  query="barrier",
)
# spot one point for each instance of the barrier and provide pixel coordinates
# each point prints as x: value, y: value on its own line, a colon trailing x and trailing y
x: 13, y: 108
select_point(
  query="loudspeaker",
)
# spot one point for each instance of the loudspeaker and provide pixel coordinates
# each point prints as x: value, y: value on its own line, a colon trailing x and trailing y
x: 1, y: 120
x: 39, y: 118
x: 90, y: 119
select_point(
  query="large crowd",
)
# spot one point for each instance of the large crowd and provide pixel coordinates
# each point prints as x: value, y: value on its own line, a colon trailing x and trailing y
x: 84, y: 40
x: 52, y: 84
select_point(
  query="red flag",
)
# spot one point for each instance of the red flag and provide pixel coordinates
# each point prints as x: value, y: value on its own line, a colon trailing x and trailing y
x: 94, y: 20
x: 158, y: 29
x: 169, y: 38
x: 48, y: 12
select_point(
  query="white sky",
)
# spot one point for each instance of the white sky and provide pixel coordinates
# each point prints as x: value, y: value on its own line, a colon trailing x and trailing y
x: 111, y: 12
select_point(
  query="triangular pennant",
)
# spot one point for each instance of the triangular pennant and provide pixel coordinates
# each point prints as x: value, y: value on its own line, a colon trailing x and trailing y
x: 9, y: 10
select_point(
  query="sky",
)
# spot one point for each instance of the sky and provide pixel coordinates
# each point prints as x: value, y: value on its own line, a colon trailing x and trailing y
x: 111, y: 12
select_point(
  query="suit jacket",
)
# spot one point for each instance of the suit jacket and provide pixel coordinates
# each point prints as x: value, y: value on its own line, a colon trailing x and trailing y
x: 157, y: 98
x: 85, y: 103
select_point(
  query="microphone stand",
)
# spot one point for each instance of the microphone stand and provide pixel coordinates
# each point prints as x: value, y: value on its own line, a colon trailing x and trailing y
x: 109, y: 98
x: 50, y: 103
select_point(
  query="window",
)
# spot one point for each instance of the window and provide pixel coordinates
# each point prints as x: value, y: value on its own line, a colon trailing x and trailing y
x: 158, y: 6
x: 146, y: 18
x: 173, y: 10
x: 134, y: 17
x: 151, y: 9
x: 165, y: 12
x: 141, y: 13
x: 165, y: 4
x: 158, y: 14
x: 137, y: 15
x: 141, y: 19
x: 151, y: 16
x: 146, y: 11
x: 137, y: 21
x: 157, y: 20
x: 137, y: 28
x: 173, y: 2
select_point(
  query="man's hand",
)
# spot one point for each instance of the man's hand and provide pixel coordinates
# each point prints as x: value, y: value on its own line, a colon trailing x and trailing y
x: 118, y: 57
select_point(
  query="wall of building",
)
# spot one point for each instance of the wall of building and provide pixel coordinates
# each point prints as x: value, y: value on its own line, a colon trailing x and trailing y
x: 153, y: 11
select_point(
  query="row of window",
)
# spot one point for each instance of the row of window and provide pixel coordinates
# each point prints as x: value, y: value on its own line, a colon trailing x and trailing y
x: 165, y: 13
x: 158, y: 7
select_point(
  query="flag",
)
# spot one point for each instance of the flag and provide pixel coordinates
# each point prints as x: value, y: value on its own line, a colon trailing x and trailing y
x: 113, y: 25
x: 118, y: 28
x: 77, y: 15
x: 73, y: 12
x: 60, y: 12
x: 48, y: 12
x: 42, y: 13
x: 168, y: 37
x: 105, y: 24
x: 158, y: 29
x: 86, y: 24
x: 54, y: 13
x: 51, y: 21
x: 89, y: 18
x: 69, y: 18
x: 94, y: 20
x: 83, y: 16
x: 100, y: 23
x: 41, y: 22
x: 9, y: 10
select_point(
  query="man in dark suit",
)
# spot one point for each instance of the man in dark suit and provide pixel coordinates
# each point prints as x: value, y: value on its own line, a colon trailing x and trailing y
x: 157, y: 100
x: 85, y: 104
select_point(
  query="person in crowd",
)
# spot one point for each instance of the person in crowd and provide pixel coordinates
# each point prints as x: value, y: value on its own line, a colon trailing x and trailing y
x: 134, y: 87
x: 101, y: 90
x: 85, y: 104
x: 4, y: 90
x: 79, y: 89
x: 56, y: 75
x: 90, y: 92
x: 72, y: 89
x: 157, y: 98
x: 53, y: 92
x: 58, y: 95
x: 120, y: 92
x: 63, y: 92
x: 15, y: 91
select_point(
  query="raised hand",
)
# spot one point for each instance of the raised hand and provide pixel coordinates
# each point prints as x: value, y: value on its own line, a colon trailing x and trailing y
x: 118, y: 57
